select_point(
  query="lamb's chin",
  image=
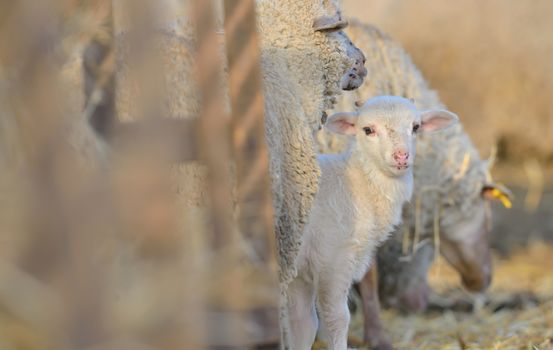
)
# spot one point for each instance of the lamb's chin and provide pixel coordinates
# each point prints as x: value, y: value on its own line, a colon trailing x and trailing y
x: 398, y: 171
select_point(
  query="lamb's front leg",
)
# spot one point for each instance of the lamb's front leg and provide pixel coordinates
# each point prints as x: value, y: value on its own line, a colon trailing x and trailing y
x: 302, y: 315
x: 332, y: 294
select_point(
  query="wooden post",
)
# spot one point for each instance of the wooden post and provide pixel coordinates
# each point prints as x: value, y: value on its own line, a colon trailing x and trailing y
x: 248, y: 127
x: 255, y: 217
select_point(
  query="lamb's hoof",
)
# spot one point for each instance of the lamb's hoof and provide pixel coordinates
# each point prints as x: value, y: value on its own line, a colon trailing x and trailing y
x: 379, y: 341
x: 384, y: 344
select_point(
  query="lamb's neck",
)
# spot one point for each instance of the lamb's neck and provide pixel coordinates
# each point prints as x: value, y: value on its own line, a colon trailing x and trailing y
x: 395, y: 189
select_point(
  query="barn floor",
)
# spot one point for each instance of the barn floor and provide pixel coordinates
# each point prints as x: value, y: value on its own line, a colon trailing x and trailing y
x: 517, y: 313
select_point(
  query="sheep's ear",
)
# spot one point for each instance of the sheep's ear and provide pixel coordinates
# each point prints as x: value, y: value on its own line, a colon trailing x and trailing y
x: 329, y: 23
x: 342, y: 123
x: 434, y: 120
x: 499, y: 192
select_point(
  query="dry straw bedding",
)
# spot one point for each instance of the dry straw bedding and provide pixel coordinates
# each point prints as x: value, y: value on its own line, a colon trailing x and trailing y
x: 527, y: 324
x: 517, y: 312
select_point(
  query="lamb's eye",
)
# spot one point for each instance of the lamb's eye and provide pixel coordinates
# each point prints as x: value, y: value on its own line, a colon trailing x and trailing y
x: 368, y: 130
x: 416, y: 127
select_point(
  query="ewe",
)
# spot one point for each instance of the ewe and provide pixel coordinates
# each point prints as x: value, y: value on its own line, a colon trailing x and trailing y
x: 359, y: 202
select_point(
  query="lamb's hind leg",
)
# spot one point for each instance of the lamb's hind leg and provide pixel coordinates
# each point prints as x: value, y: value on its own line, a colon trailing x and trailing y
x: 302, y: 315
x: 332, y: 294
x: 375, y: 335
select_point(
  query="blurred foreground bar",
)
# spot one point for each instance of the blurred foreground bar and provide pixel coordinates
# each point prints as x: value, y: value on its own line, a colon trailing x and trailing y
x: 244, y: 314
x: 104, y: 249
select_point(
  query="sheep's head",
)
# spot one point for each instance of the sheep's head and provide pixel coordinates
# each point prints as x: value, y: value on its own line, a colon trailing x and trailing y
x: 308, y: 36
x: 352, y: 60
x: 384, y: 129
x: 354, y: 76
x: 465, y: 238
x: 345, y: 63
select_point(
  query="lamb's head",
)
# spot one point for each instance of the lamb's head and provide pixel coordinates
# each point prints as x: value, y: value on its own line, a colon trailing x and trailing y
x: 384, y: 131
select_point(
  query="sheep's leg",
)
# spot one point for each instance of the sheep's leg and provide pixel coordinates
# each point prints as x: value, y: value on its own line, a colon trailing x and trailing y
x: 332, y: 293
x: 375, y: 335
x: 302, y: 315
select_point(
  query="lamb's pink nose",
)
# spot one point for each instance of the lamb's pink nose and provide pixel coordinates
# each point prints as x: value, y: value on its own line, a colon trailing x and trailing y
x: 401, y: 156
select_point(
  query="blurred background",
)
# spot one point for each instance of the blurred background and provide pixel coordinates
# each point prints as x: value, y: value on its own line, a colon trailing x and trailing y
x: 489, y: 61
x: 92, y: 255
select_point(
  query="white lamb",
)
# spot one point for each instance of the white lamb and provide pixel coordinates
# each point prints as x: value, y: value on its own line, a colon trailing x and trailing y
x: 360, y: 199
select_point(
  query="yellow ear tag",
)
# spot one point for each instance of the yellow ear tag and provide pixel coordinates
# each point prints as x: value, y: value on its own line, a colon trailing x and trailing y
x: 502, y: 197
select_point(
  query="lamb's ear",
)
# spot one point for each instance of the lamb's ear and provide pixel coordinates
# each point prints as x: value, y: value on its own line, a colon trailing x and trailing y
x: 342, y: 123
x: 499, y: 192
x: 329, y: 23
x: 437, y: 119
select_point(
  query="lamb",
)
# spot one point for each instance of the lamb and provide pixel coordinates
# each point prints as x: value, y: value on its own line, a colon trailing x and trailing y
x: 359, y: 202
x: 450, y: 179
x: 304, y: 63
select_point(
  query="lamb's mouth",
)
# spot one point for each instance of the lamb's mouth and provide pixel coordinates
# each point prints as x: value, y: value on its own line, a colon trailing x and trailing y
x: 399, y: 169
